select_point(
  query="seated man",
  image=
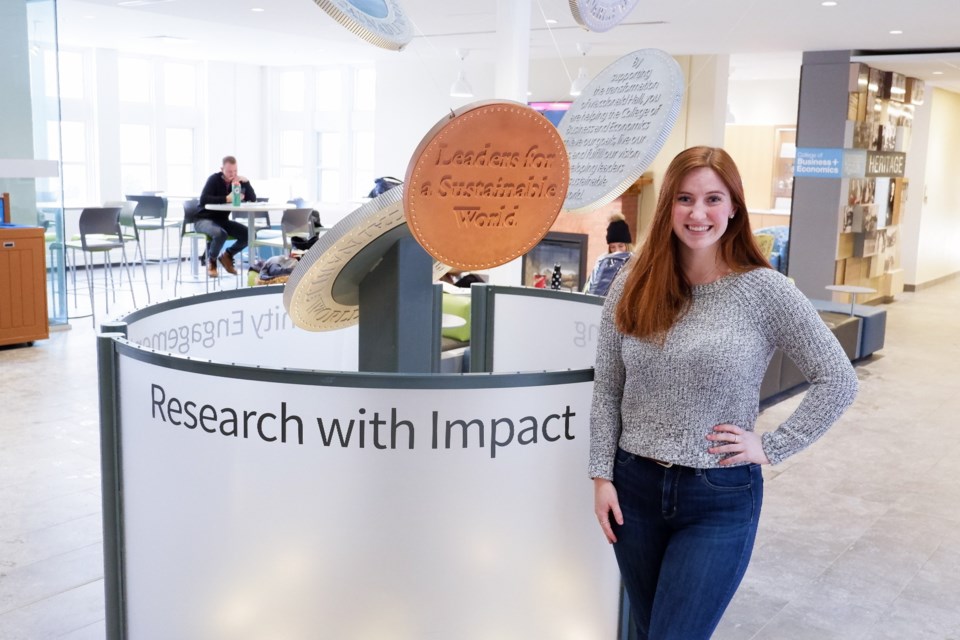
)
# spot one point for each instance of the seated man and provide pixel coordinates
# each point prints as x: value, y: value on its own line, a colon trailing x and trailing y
x: 217, y: 224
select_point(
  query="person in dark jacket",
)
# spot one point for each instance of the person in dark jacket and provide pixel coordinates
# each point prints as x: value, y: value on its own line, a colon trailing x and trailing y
x: 620, y: 248
x: 217, y: 224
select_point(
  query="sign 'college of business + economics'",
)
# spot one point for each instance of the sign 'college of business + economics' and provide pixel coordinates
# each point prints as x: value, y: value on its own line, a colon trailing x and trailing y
x: 848, y: 163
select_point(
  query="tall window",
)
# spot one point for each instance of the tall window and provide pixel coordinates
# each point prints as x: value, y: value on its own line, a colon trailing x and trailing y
x: 364, y: 102
x: 71, y: 133
x: 74, y: 147
x: 181, y: 177
x: 328, y: 167
x: 179, y: 84
x: 291, y: 154
x: 365, y: 90
x: 72, y: 77
x: 134, y: 80
x: 344, y: 109
x: 329, y: 90
x: 292, y: 91
x: 136, y: 153
x: 362, y: 163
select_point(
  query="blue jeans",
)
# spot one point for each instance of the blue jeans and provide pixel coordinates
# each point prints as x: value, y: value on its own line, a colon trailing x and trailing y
x: 219, y: 232
x: 685, y: 542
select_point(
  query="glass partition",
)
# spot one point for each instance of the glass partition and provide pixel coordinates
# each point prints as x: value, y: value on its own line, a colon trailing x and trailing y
x: 30, y: 157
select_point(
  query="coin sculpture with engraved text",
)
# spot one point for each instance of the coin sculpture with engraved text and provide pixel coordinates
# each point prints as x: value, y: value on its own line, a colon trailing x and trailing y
x: 486, y: 184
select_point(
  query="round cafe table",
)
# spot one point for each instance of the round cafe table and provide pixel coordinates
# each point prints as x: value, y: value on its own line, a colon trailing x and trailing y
x: 252, y: 208
x: 852, y: 290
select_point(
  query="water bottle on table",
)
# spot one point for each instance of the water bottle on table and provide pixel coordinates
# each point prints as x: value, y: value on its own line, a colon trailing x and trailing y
x: 236, y: 194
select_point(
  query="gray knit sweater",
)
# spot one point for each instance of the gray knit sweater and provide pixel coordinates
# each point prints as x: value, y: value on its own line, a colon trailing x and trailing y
x: 661, y: 402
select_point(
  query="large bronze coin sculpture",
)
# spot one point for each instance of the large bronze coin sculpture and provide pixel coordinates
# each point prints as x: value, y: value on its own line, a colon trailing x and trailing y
x: 486, y: 184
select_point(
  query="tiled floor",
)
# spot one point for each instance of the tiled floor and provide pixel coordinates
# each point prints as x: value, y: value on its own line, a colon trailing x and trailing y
x: 860, y: 536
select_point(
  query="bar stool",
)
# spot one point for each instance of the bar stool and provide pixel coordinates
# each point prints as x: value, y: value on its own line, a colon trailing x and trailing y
x: 100, y: 233
x: 151, y: 215
x: 187, y: 231
x: 128, y: 225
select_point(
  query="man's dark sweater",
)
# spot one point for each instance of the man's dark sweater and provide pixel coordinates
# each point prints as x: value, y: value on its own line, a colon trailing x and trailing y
x: 215, y: 191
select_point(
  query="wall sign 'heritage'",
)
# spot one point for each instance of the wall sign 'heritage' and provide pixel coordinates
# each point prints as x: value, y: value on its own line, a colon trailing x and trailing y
x: 379, y: 22
x: 322, y: 293
x: 601, y: 15
x: 485, y: 185
x: 615, y: 129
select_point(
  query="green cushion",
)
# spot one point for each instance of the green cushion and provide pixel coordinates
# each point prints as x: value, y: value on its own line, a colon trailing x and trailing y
x: 457, y: 305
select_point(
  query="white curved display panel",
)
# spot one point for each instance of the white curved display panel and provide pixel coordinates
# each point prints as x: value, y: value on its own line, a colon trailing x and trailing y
x: 249, y: 326
x: 256, y: 501
x: 527, y: 329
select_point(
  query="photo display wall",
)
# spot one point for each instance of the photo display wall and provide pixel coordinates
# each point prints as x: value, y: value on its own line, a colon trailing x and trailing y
x: 880, y: 114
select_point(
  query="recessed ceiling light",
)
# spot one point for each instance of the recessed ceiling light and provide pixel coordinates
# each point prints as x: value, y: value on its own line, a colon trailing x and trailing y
x: 551, y: 21
x: 257, y: 9
x: 828, y: 3
x: 140, y: 3
x: 167, y: 39
x: 896, y: 32
x: 938, y: 73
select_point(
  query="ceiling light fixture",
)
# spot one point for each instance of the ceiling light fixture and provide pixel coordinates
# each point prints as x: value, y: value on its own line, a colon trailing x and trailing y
x: 460, y: 87
x: 551, y: 21
x: 257, y: 10
x: 167, y: 39
x: 581, y: 81
x: 828, y: 3
x: 938, y: 73
x: 896, y: 32
x: 141, y: 3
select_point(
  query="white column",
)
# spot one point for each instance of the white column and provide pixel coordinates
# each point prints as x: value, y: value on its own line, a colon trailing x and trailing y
x: 108, y: 110
x: 707, y: 100
x: 512, y: 73
x: 513, y: 49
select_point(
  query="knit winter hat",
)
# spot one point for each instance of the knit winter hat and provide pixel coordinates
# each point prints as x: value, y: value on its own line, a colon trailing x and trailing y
x: 618, y: 231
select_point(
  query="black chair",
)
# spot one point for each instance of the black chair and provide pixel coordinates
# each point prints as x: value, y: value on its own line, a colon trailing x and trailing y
x: 188, y: 231
x: 295, y: 222
x: 100, y: 232
x: 128, y: 225
x: 151, y: 215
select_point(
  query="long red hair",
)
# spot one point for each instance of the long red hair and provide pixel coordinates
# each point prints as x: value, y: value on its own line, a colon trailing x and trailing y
x: 656, y: 292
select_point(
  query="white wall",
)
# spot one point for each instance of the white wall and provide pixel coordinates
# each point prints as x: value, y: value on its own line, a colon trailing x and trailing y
x: 412, y: 96
x: 911, y: 214
x: 550, y: 80
x: 764, y: 102
x: 938, y: 236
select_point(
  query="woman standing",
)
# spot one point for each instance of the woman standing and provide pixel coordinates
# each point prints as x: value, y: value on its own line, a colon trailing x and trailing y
x: 688, y: 330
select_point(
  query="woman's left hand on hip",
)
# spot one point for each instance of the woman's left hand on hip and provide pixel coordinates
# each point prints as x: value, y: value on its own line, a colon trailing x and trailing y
x: 738, y: 444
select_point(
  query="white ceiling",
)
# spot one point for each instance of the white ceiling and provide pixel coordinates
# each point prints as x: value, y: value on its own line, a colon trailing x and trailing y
x: 766, y: 35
